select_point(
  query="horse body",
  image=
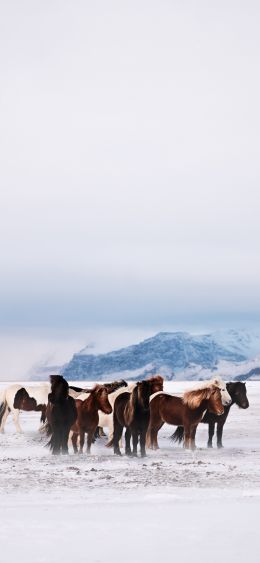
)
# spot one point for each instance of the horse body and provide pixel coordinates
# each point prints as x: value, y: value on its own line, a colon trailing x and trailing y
x: 237, y: 392
x: 61, y: 414
x: 88, y: 417
x: 35, y: 398
x: 131, y: 410
x: 186, y: 411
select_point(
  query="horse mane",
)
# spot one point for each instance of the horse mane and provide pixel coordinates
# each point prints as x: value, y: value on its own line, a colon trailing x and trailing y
x: 156, y: 379
x: 194, y: 397
x: 111, y: 387
x: 59, y: 388
x: 130, y: 407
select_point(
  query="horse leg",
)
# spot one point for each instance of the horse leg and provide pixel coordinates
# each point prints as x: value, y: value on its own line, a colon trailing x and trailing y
x: 192, y: 438
x: 127, y: 441
x: 4, y: 417
x: 187, y: 437
x: 65, y: 438
x: 211, y: 433
x: 219, y: 434
x: 149, y: 437
x: 142, y: 441
x: 89, y: 440
x: 154, y: 436
x: 118, y: 429
x: 74, y: 440
x: 15, y: 414
x: 135, y: 442
x: 81, y: 441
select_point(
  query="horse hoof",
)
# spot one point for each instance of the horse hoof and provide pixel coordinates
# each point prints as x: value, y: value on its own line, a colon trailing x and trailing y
x: 210, y: 446
x: 220, y: 445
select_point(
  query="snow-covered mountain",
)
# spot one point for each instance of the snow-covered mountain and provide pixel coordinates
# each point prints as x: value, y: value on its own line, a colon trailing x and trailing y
x: 176, y: 355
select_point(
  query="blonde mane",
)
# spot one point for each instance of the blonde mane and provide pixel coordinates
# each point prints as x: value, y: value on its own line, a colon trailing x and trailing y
x: 194, y: 397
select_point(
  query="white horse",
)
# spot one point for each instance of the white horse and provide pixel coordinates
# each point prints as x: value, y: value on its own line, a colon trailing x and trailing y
x: 7, y: 395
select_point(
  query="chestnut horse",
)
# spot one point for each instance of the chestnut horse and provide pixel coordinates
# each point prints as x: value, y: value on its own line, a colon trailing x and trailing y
x: 186, y: 411
x: 61, y: 414
x: 87, y: 416
x: 132, y: 410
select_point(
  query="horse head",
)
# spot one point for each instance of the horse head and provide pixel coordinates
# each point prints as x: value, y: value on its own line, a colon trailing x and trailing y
x: 59, y: 388
x: 225, y: 396
x: 156, y: 383
x: 101, y: 396
x: 215, y: 404
x: 237, y: 391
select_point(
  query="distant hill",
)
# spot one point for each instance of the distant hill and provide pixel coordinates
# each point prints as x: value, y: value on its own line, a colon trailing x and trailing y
x: 176, y: 355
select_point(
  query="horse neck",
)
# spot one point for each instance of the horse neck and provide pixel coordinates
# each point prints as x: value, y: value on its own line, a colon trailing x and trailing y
x: 202, y: 407
x: 230, y: 390
x: 91, y: 403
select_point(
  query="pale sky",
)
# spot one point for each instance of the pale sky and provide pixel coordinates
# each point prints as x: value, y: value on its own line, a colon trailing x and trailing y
x: 129, y: 171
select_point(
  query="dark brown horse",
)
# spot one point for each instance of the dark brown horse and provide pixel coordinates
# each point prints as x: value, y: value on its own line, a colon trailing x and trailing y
x: 61, y: 414
x: 131, y: 410
x: 87, y: 416
x: 24, y: 402
x: 186, y: 411
x: 237, y: 392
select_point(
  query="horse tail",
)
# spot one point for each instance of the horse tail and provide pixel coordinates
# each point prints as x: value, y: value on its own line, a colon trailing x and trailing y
x: 3, y: 405
x: 50, y: 444
x: 46, y: 428
x: 178, y: 435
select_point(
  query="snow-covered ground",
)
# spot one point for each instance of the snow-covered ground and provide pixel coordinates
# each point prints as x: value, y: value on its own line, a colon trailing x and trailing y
x: 172, y: 505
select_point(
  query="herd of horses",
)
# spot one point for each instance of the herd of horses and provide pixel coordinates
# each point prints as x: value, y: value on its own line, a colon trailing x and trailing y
x: 141, y: 408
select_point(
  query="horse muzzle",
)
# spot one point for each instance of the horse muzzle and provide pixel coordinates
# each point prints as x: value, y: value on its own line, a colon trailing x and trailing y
x: 245, y: 405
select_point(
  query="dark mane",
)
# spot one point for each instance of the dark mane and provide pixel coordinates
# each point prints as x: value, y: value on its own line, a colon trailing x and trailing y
x: 61, y: 414
x: 59, y: 389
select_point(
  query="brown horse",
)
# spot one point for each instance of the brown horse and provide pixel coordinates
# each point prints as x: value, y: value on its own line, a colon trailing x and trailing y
x: 186, y: 411
x: 132, y: 411
x: 87, y: 420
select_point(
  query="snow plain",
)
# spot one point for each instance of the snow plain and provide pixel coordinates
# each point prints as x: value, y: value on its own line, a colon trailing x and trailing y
x: 174, y: 505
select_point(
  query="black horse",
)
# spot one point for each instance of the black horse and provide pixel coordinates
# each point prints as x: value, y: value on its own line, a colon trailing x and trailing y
x: 237, y: 391
x: 61, y: 414
x: 132, y: 410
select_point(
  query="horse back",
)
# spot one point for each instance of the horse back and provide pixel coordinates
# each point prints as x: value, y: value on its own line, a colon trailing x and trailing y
x: 168, y: 408
x: 87, y: 417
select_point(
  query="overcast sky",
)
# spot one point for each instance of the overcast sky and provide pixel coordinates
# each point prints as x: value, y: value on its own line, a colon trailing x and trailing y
x: 129, y: 148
